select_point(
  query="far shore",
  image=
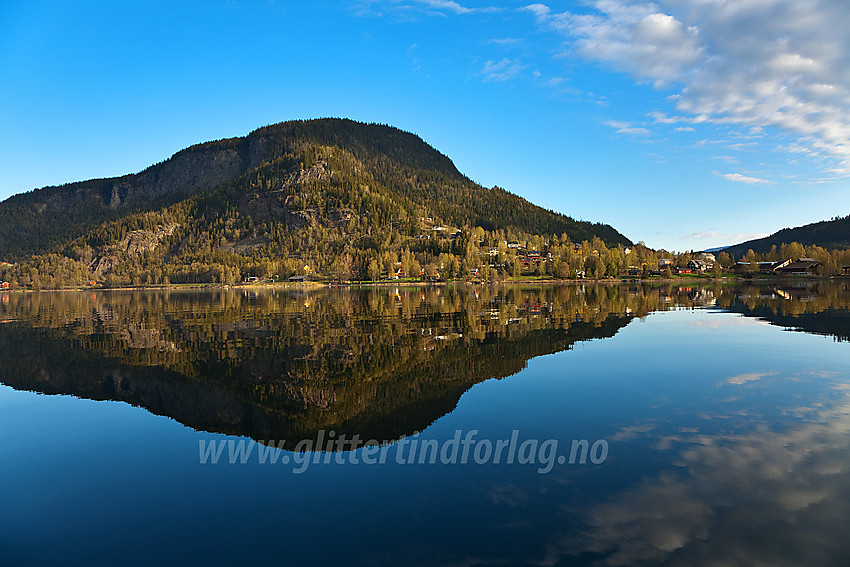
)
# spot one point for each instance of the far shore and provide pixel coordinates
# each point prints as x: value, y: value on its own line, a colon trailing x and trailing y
x: 729, y: 278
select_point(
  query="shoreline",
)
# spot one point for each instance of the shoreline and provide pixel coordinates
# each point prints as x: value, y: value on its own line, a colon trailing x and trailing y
x: 379, y: 284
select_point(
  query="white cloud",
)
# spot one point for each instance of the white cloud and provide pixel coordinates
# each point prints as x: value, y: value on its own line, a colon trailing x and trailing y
x: 725, y: 236
x: 447, y: 5
x: 738, y: 178
x: 725, y: 323
x: 777, y: 68
x: 652, y: 46
x: 540, y: 10
x: 727, y: 159
x: 504, y: 41
x: 428, y: 7
x: 662, y: 118
x: 705, y: 235
x: 627, y: 128
x: 730, y: 491
x: 502, y: 70
x: 739, y: 379
x: 763, y: 64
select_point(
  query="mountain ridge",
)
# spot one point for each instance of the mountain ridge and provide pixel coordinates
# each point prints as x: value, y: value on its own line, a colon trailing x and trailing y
x: 833, y: 234
x: 325, y: 196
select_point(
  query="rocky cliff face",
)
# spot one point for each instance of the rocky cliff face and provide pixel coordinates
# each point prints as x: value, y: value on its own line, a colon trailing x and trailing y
x: 188, y: 172
x: 278, y: 204
x: 136, y: 243
x: 70, y: 209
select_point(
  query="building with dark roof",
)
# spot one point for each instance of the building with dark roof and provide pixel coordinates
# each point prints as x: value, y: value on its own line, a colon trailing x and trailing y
x: 802, y: 267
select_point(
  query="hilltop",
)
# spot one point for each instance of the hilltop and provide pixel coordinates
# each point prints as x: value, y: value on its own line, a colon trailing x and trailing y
x: 832, y: 235
x: 332, y: 196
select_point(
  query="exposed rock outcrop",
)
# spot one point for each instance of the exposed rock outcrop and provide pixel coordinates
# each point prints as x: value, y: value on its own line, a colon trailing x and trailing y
x: 136, y: 243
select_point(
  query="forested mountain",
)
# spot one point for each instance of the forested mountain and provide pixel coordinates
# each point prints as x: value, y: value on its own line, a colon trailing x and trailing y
x: 44, y: 220
x: 334, y: 197
x: 832, y: 234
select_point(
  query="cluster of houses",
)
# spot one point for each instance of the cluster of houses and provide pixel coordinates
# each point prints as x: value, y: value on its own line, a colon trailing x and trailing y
x: 431, y: 230
x: 704, y: 262
x: 528, y: 259
x: 800, y: 267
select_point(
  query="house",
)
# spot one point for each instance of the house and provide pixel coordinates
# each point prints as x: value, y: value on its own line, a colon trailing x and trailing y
x: 763, y: 267
x: 802, y: 267
x: 297, y: 278
x: 91, y: 283
x: 513, y: 244
x: 4, y: 285
x: 846, y: 270
x: 5, y: 265
x: 772, y: 267
x: 252, y: 279
x: 664, y: 262
x: 707, y: 257
x: 698, y: 266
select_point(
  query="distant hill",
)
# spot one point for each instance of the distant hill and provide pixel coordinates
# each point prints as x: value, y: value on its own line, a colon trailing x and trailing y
x: 833, y: 234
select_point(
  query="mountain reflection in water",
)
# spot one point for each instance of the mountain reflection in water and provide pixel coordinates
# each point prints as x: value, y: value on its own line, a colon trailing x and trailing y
x: 379, y: 362
x: 728, y: 436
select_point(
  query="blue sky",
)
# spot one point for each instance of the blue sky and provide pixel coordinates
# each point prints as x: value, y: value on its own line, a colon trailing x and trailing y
x: 684, y: 123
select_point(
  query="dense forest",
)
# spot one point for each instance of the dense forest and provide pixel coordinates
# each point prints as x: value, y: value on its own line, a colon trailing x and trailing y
x: 139, y: 260
x: 833, y: 234
x: 328, y: 199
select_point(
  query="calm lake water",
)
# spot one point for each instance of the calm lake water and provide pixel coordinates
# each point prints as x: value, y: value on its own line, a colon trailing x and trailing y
x: 512, y: 425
